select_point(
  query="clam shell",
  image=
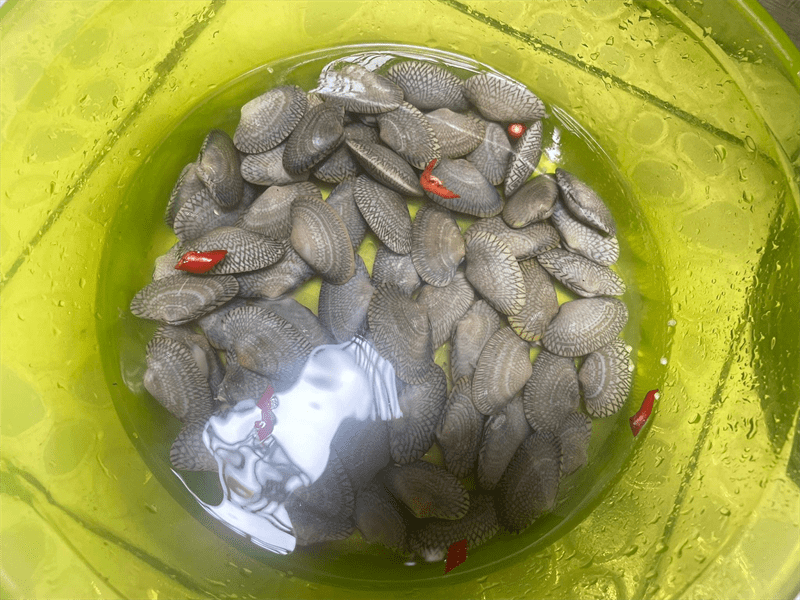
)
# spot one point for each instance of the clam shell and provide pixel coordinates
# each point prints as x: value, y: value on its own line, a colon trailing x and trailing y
x: 204, y: 355
x: 218, y: 169
x: 359, y: 132
x: 477, y: 196
x: 524, y: 242
x: 503, y: 433
x: 458, y: 134
x: 471, y: 333
x: 187, y: 186
x: 385, y: 212
x: 422, y: 405
x: 343, y: 308
x: 211, y: 324
x: 406, y: 131
x: 320, y: 237
x: 189, y: 453
x: 331, y: 495
x: 268, y: 119
x: 387, y: 167
x: 574, y: 437
x: 396, y: 269
x: 532, y: 202
x: 437, y: 246
x: 445, y: 306
x: 584, y: 203
x: 359, y: 90
x: 504, y: 367
x: 311, y: 527
x: 181, y: 298
x: 247, y: 251
x: 525, y: 158
x: 459, y: 432
x: 241, y: 384
x: 265, y: 343
x: 174, y: 378
x: 541, y: 302
x: 266, y: 168
x: 199, y: 215
x: 363, y: 447
x: 284, y: 276
x: 494, y: 272
x: 401, y: 332
x: 342, y: 199
x: 605, y: 377
x: 500, y: 98
x: 435, y: 536
x: 315, y: 137
x: 529, y: 486
x: 428, y: 86
x: 551, y: 393
x: 305, y: 321
x: 337, y: 167
x: 585, y: 325
x: 379, y: 517
x: 165, y: 264
x: 270, y: 214
x: 493, y: 154
x: 581, y: 275
x: 428, y: 490
x: 577, y: 237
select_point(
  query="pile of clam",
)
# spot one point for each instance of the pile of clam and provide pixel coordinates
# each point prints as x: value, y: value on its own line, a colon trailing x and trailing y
x: 508, y: 428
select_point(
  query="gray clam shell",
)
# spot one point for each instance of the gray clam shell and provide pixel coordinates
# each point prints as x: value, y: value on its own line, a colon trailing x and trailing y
x: 503, y: 433
x: 526, y: 157
x: 428, y: 86
x: 428, y: 490
x: 363, y: 447
x: 343, y: 308
x: 581, y: 275
x: 218, y: 169
x: 342, y: 199
x: 204, y: 355
x: 315, y: 137
x: 477, y: 196
x: 585, y: 325
x: 268, y: 119
x: 189, y: 453
x: 386, y: 213
x: 241, y: 384
x: 305, y: 321
x: 459, y: 433
x: 181, y: 298
x: 165, y: 264
x: 577, y: 237
x: 199, y: 215
x: 331, y: 495
x: 500, y: 98
x: 471, y: 333
x: 437, y: 246
x: 504, y: 367
x: 458, y: 134
x: 247, y: 251
x: 493, y: 155
x: 406, y: 131
x: 532, y: 202
x: 541, y: 302
x: 551, y: 393
x: 273, y: 281
x: 266, y: 168
x: 396, y: 269
x: 605, y: 377
x: 379, y: 517
x: 387, y: 167
x: 584, y: 203
x: 187, y: 186
x: 337, y: 167
x: 495, y: 273
x: 271, y: 213
x: 445, y: 306
x: 359, y: 90
x: 320, y: 237
x: 574, y: 437
x: 524, y: 242
x: 312, y: 527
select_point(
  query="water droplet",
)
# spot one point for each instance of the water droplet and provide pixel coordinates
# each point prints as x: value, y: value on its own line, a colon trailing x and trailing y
x: 135, y: 152
x: 152, y: 508
x: 663, y: 360
x: 672, y: 323
x: 725, y: 512
x: 750, y: 143
x: 82, y: 282
x: 610, y: 41
x: 742, y: 175
x: 720, y: 152
x: 695, y: 419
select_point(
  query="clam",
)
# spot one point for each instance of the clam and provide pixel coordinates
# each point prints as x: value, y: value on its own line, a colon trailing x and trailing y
x: 396, y: 269
x: 387, y: 167
x: 311, y: 527
x: 427, y: 489
x: 493, y: 154
x: 343, y: 308
x: 363, y: 447
x: 385, y: 212
x: 471, y: 333
x: 189, y: 453
x: 524, y: 242
x: 584, y: 203
x: 218, y: 169
x: 532, y: 202
x: 341, y: 165
x: 204, y: 355
x: 581, y: 275
x: 541, y: 302
x: 526, y: 157
x: 495, y: 273
x: 577, y: 237
x: 551, y: 393
x: 435, y: 536
x: 476, y: 196
x: 406, y: 131
x: 529, y: 486
x: 186, y: 187
x: 315, y: 137
x: 165, y: 264
x: 605, y: 378
x: 247, y: 251
x: 305, y: 321
x: 500, y: 98
x: 437, y: 246
x: 320, y: 237
x: 459, y: 432
x: 266, y: 168
x: 241, y: 384
x: 199, y: 215
x: 428, y: 86
x: 445, y: 306
x: 504, y: 367
x: 359, y: 90
x: 174, y: 378
x: 331, y: 495
x: 268, y: 119
x: 379, y: 517
x: 211, y: 323
x: 422, y: 404
x: 458, y: 134
x: 585, y: 325
x: 181, y: 298
x: 503, y: 433
x: 270, y: 213
x: 401, y: 332
x: 342, y: 199
x: 574, y: 438
x: 273, y: 281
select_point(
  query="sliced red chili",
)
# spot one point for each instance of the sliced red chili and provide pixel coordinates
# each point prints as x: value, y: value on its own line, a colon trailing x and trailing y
x: 456, y: 554
x: 638, y: 420
x: 431, y: 183
x: 516, y: 130
x: 200, y: 262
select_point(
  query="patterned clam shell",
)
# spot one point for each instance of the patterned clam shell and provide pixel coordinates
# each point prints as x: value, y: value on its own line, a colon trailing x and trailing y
x: 526, y: 157
x: 581, y: 275
x: 437, y: 246
x: 218, y: 169
x: 268, y: 119
x: 379, y: 516
x: 605, y: 377
x: 247, y: 251
x: 459, y: 433
x: 493, y: 155
x: 504, y: 367
x: 189, y: 453
x: 585, y: 325
x: 458, y: 134
x: 576, y: 430
x: 471, y: 333
x: 445, y: 306
x: 428, y: 86
x: 315, y: 137
x: 406, y: 131
x: 495, y: 273
x: 342, y: 199
x: 273, y: 281
x: 181, y: 298
x: 551, y: 393
x: 266, y: 168
x: 502, y: 99
x: 428, y: 490
x: 387, y: 167
x: 577, y: 237
x: 385, y: 212
x: 532, y: 202
x: 343, y: 308
x: 584, y: 203
x: 503, y: 433
x: 476, y: 196
x: 541, y: 302
x: 320, y: 237
x: 359, y: 90
x: 271, y: 213
x: 523, y: 242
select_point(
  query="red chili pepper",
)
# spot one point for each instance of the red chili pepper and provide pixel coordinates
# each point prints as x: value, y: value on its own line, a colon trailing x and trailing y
x: 431, y: 183
x: 516, y: 130
x: 265, y: 425
x: 200, y: 262
x: 456, y: 554
x: 640, y: 418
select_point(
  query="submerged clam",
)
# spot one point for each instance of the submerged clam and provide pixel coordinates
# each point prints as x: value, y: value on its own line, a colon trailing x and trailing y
x: 605, y: 377
x: 582, y: 326
x: 320, y: 237
x: 504, y: 367
x: 268, y: 119
x: 181, y: 298
x: 445, y: 306
x: 459, y: 433
x: 385, y: 212
x: 428, y: 490
x: 495, y: 273
x: 412, y: 434
x: 428, y: 86
x: 500, y: 98
x: 437, y: 246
